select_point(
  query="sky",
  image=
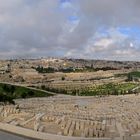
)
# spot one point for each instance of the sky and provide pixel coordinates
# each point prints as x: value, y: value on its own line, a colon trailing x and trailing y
x: 90, y: 29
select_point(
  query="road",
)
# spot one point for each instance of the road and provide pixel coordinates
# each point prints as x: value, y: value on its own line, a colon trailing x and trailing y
x: 32, y: 88
x: 9, y: 136
x: 135, y: 88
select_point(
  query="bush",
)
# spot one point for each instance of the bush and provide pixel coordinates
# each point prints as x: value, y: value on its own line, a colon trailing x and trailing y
x: 63, y: 78
x: 24, y: 95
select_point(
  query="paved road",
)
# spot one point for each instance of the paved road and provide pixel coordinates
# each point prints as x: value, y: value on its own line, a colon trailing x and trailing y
x: 135, y: 88
x: 8, y: 136
x: 32, y: 88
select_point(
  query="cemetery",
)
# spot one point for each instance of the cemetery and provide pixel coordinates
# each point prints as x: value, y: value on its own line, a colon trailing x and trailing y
x: 74, y: 117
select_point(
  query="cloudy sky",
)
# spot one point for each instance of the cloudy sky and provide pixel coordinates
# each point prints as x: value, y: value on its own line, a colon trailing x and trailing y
x: 94, y: 29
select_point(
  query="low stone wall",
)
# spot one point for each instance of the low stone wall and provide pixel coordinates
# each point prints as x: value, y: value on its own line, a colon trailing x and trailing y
x: 135, y: 137
x: 132, y: 137
x: 39, y: 135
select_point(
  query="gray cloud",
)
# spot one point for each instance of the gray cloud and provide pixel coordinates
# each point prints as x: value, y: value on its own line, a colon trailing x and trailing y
x: 36, y: 28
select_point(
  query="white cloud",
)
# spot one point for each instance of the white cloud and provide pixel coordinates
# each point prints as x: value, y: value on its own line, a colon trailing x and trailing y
x: 131, y: 45
x: 41, y: 27
x: 104, y: 43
